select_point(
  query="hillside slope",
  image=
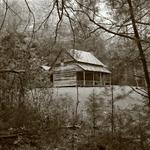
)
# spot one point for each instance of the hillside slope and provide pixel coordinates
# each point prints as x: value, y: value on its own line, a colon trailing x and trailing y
x: 124, y: 96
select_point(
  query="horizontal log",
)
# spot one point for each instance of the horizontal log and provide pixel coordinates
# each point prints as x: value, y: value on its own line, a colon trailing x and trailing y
x: 65, y: 78
x: 11, y: 71
x: 65, y: 83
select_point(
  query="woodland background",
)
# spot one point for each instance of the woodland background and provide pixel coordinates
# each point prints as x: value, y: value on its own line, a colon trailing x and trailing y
x: 33, y: 33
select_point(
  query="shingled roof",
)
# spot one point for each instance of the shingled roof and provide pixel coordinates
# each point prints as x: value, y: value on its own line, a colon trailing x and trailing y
x: 89, y: 67
x: 85, y: 57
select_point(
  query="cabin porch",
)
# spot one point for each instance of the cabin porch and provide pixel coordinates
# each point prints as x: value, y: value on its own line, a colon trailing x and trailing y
x: 91, y: 78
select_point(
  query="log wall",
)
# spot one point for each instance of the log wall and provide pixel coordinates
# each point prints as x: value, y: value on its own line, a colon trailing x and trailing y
x: 65, y: 75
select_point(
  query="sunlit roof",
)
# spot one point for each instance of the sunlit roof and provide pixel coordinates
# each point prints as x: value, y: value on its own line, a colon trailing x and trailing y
x: 89, y: 67
x: 85, y: 57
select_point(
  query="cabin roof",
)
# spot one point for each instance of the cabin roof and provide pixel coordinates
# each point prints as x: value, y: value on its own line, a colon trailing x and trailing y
x: 46, y: 68
x: 88, y: 67
x: 85, y: 57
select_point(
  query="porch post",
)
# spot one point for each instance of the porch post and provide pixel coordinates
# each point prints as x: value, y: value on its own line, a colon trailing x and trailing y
x: 83, y: 78
x: 110, y: 80
x: 104, y: 78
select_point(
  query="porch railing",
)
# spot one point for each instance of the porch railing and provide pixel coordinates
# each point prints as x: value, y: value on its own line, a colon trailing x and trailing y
x: 92, y: 83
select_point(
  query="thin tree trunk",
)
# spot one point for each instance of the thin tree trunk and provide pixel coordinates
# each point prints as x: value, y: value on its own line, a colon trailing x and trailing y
x: 112, y: 106
x: 139, y: 45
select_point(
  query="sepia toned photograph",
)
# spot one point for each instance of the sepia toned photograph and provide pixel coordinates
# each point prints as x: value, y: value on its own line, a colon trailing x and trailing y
x: 74, y: 74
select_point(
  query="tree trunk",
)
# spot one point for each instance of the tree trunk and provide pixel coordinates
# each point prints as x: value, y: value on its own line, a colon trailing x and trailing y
x: 139, y: 45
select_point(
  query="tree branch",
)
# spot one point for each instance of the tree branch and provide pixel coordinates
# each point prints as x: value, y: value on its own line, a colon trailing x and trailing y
x: 6, y: 10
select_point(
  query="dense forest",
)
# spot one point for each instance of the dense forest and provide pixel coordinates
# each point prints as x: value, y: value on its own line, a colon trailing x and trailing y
x: 33, y: 33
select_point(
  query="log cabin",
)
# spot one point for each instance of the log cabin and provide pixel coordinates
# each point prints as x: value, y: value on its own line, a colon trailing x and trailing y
x: 79, y: 68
